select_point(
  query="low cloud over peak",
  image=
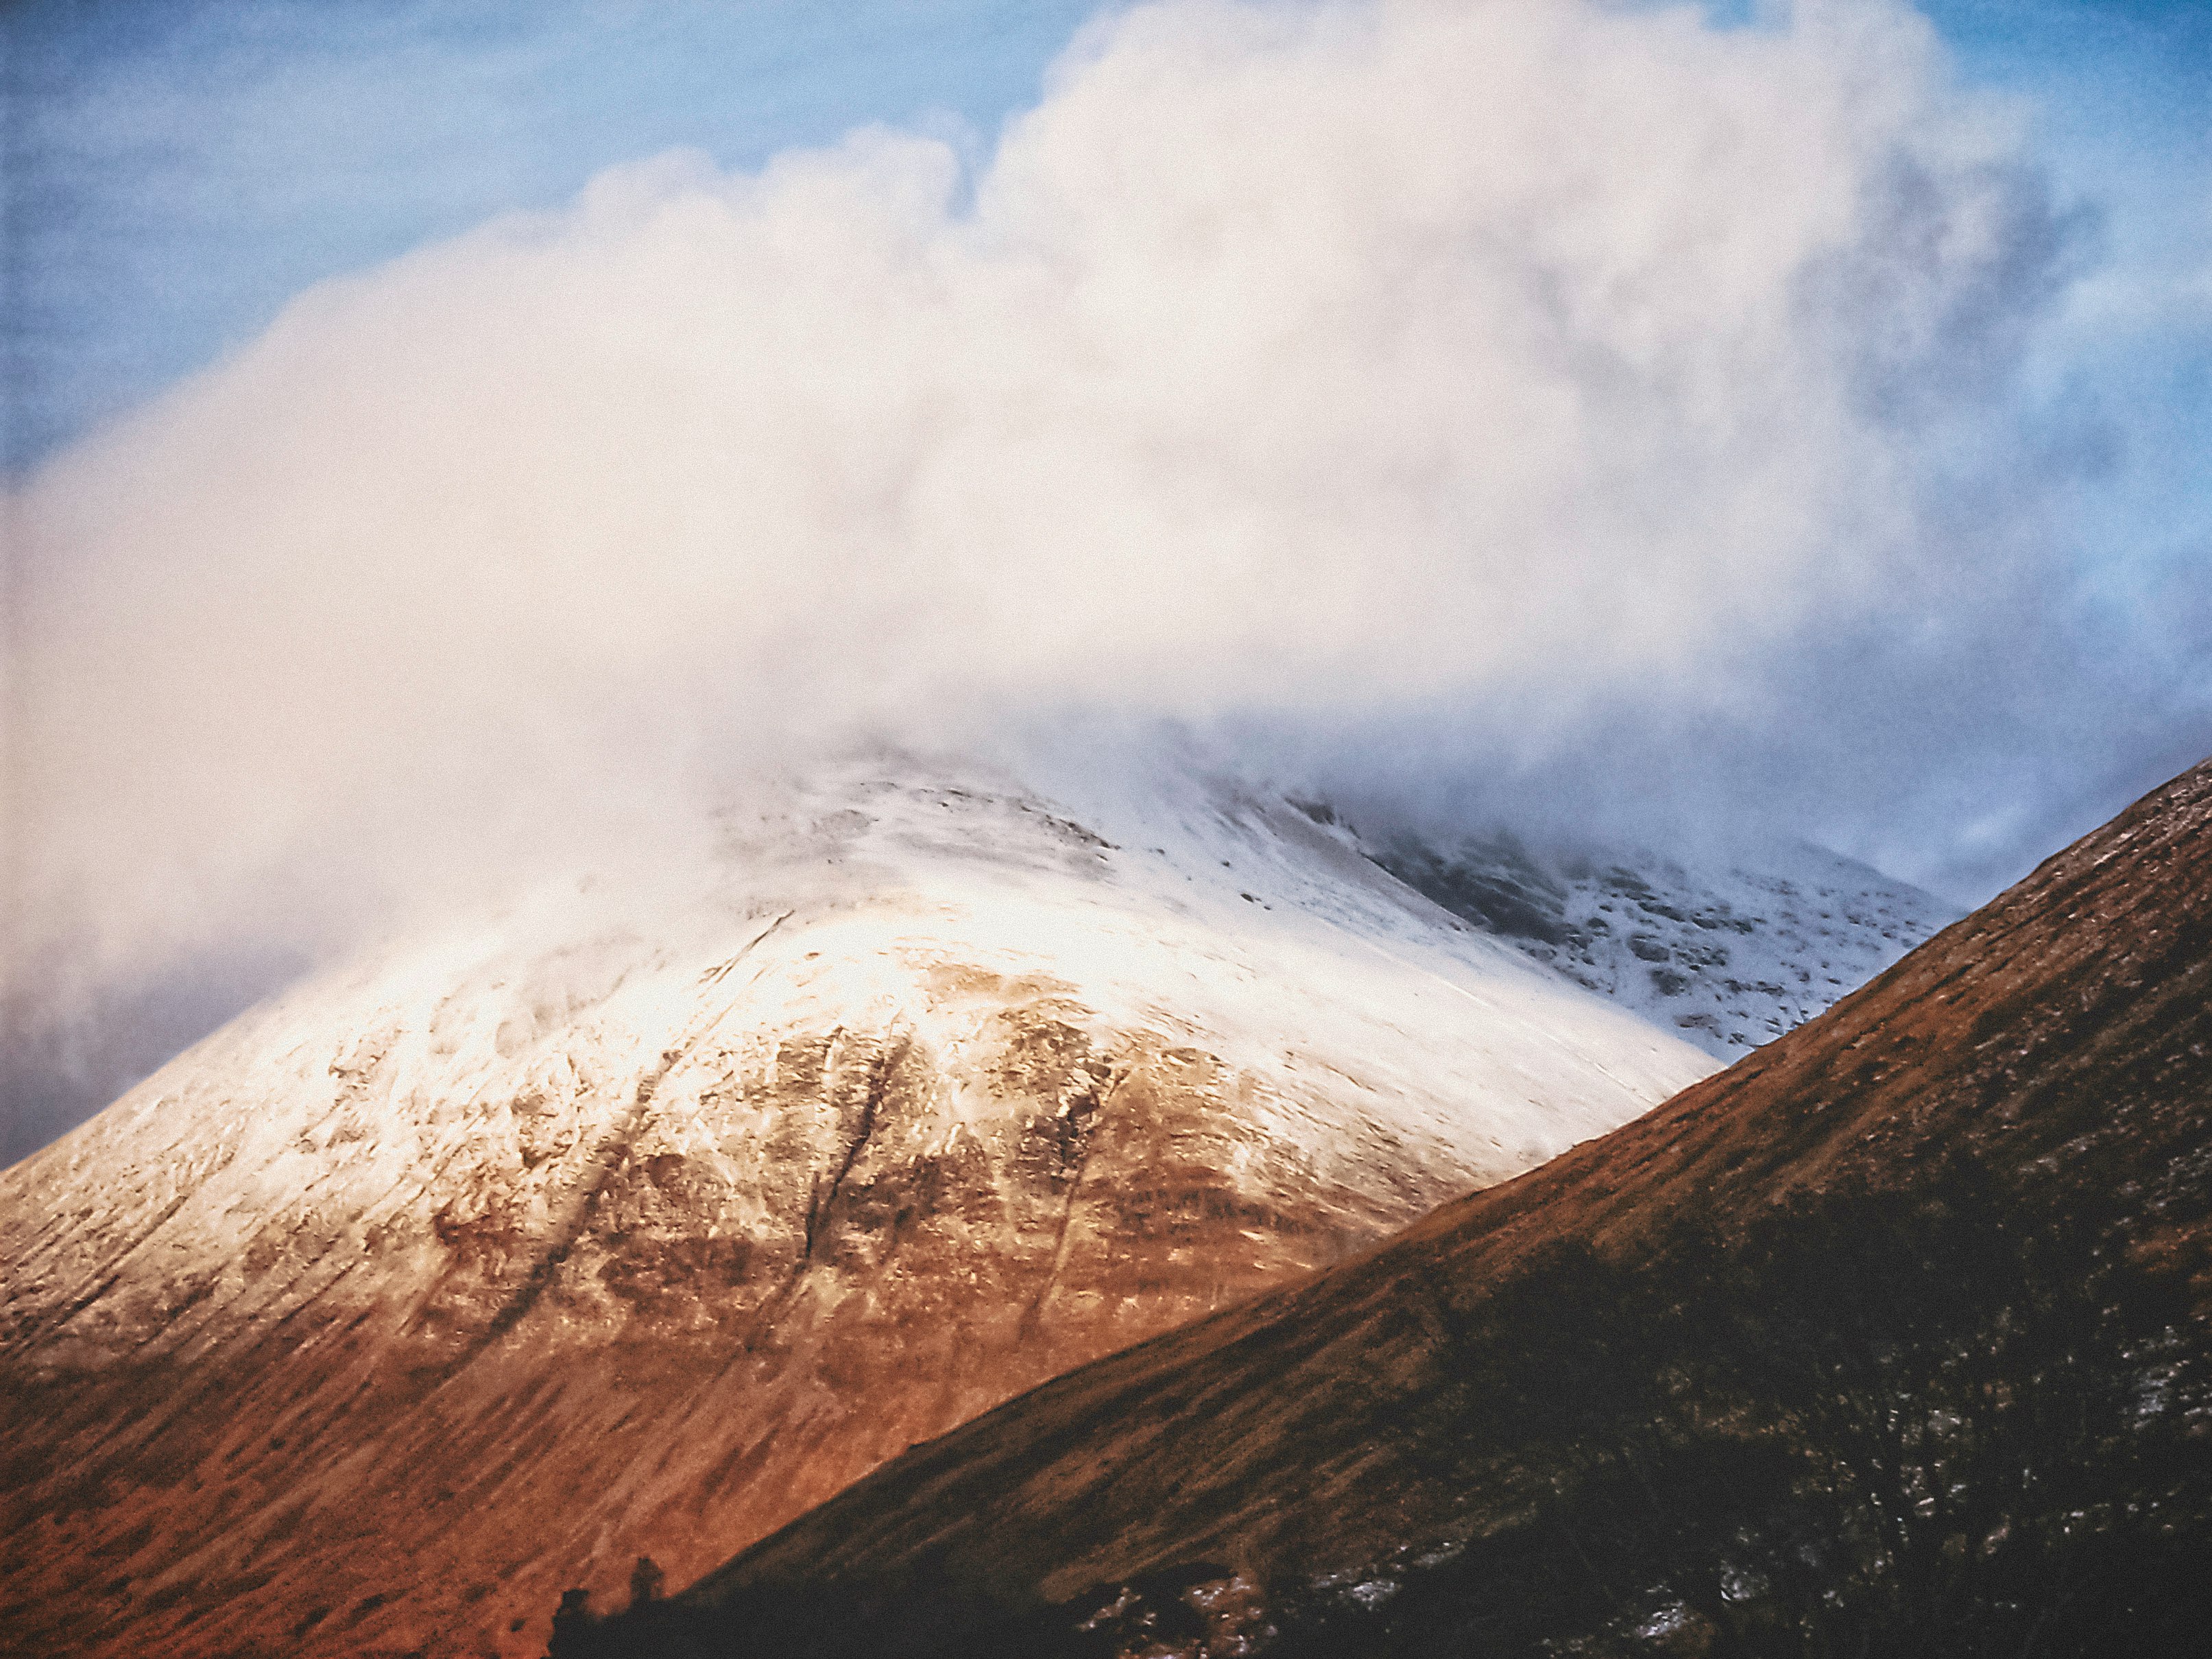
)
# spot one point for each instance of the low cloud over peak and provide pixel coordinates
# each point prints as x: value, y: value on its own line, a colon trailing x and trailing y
x: 1580, y: 395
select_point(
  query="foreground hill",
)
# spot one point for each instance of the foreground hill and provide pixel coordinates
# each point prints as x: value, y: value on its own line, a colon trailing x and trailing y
x: 1909, y: 1306
x: 639, y: 1218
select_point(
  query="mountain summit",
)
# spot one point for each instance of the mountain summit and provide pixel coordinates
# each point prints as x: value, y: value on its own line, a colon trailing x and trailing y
x: 638, y: 1219
x: 1891, y: 1338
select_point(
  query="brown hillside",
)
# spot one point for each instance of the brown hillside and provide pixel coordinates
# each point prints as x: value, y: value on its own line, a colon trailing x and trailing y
x: 2058, y: 1041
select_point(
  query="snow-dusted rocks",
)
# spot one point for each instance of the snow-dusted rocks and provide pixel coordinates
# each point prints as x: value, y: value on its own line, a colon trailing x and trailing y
x: 638, y: 1217
x: 1731, y: 954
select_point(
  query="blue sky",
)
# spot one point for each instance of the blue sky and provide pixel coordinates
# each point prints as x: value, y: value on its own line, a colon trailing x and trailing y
x: 176, y: 172
x: 180, y: 171
x: 2123, y: 95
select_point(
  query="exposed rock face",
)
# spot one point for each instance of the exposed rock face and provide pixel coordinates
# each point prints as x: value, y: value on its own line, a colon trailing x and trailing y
x: 1731, y: 956
x: 2057, y: 1044
x: 639, y: 1223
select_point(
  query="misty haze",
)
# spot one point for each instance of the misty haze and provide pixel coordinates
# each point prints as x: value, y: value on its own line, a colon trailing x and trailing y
x: 762, y: 769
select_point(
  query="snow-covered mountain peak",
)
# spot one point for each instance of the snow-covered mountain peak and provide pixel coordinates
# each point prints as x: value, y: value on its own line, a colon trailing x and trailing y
x: 671, y: 1201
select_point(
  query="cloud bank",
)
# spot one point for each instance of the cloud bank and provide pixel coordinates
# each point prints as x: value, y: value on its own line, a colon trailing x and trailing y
x: 1409, y: 386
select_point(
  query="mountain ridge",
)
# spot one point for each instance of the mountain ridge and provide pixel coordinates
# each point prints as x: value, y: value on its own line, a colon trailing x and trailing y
x: 2058, y: 1037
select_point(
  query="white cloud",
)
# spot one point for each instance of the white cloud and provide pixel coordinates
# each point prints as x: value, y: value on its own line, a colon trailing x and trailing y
x: 1518, y: 355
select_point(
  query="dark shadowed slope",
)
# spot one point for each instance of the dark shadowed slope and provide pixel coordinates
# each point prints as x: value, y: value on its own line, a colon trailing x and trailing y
x: 2049, y: 1056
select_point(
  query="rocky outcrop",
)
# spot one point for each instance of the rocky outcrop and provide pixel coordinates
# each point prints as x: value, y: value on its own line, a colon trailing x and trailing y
x: 1731, y: 955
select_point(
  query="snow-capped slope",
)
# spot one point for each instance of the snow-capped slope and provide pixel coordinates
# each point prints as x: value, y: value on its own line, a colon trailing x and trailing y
x: 640, y: 1217
x: 1732, y: 954
x: 1356, y: 1457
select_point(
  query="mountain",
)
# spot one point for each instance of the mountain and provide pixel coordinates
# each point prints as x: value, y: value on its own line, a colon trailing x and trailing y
x: 1731, y: 954
x: 642, y: 1216
x: 1891, y: 1338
